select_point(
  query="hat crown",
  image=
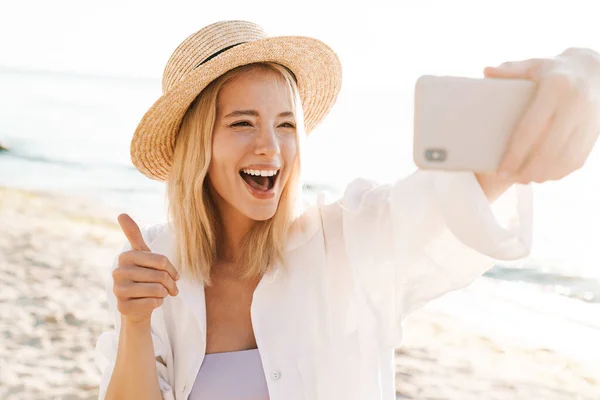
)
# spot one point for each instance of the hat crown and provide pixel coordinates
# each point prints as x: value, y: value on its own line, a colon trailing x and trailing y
x: 208, y: 41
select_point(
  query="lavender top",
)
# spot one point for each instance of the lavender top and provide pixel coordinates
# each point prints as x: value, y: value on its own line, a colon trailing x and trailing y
x: 236, y: 375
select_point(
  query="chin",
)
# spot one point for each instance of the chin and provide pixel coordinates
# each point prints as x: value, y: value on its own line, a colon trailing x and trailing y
x: 261, y: 213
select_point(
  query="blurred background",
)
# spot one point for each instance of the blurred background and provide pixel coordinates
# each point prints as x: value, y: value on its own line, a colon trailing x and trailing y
x: 77, y: 76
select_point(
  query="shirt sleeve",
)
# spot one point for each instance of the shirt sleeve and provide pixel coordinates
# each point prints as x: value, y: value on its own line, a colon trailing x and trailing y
x: 105, y: 352
x: 433, y: 232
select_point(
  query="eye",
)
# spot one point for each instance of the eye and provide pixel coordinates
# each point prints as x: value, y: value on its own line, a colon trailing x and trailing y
x: 289, y: 125
x: 241, y: 123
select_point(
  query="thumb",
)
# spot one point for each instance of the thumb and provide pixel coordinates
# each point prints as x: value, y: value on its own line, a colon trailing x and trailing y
x: 132, y: 232
x: 526, y: 69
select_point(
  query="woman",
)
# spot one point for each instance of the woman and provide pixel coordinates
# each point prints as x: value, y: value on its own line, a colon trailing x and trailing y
x: 246, y: 293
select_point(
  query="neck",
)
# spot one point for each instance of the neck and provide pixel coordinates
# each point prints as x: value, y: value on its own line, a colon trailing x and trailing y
x: 234, y: 226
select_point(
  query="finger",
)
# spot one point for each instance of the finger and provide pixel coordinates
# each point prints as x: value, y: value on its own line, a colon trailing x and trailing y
x: 148, y: 260
x: 148, y: 275
x: 534, y: 122
x: 132, y: 232
x: 526, y: 69
x: 138, y: 290
x: 582, y: 142
x: 579, y: 147
x: 139, y: 307
x: 547, y: 159
x: 533, y: 170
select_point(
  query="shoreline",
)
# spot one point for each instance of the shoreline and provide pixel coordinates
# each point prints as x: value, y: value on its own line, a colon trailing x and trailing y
x: 55, y: 257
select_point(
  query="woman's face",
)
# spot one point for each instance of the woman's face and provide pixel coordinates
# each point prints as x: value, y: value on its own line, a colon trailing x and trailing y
x: 254, y: 145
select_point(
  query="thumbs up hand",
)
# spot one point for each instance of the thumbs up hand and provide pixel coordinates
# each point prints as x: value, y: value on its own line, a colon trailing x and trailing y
x: 142, y: 279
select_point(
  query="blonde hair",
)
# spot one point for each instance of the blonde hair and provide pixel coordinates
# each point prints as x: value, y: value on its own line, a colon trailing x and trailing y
x: 191, y: 210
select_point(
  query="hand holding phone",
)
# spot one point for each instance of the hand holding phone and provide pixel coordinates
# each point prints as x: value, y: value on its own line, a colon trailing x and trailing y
x: 534, y: 120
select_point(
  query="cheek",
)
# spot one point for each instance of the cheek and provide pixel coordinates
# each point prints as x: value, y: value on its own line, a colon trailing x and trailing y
x: 222, y: 160
x: 289, y: 150
x: 218, y: 152
x: 227, y: 148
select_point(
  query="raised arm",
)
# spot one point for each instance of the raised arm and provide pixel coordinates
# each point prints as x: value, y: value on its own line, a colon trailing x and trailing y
x: 132, y: 358
x: 430, y: 233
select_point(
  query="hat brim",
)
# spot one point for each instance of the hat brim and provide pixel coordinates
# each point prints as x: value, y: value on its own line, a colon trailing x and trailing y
x: 316, y: 66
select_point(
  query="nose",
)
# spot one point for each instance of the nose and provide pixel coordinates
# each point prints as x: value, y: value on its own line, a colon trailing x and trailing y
x: 267, y: 143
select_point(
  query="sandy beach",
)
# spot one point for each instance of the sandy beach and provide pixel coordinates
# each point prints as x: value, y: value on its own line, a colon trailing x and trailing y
x: 55, y: 256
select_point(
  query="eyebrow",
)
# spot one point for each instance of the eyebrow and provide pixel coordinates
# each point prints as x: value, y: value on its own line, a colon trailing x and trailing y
x: 254, y: 113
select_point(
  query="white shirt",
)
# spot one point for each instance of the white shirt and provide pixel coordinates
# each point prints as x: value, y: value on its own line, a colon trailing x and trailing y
x: 327, y: 321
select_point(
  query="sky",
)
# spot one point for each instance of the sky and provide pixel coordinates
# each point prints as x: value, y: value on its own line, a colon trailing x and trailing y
x: 136, y: 37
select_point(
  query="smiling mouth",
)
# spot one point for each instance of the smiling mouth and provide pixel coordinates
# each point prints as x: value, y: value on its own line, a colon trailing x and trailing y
x: 260, y: 180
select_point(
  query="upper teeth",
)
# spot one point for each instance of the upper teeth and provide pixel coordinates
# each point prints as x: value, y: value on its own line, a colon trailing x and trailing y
x: 261, y: 172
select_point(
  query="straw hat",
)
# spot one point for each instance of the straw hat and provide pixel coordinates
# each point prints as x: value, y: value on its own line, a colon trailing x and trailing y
x: 209, y: 53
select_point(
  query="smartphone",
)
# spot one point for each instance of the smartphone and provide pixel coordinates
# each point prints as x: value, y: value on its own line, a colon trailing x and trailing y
x: 464, y: 124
